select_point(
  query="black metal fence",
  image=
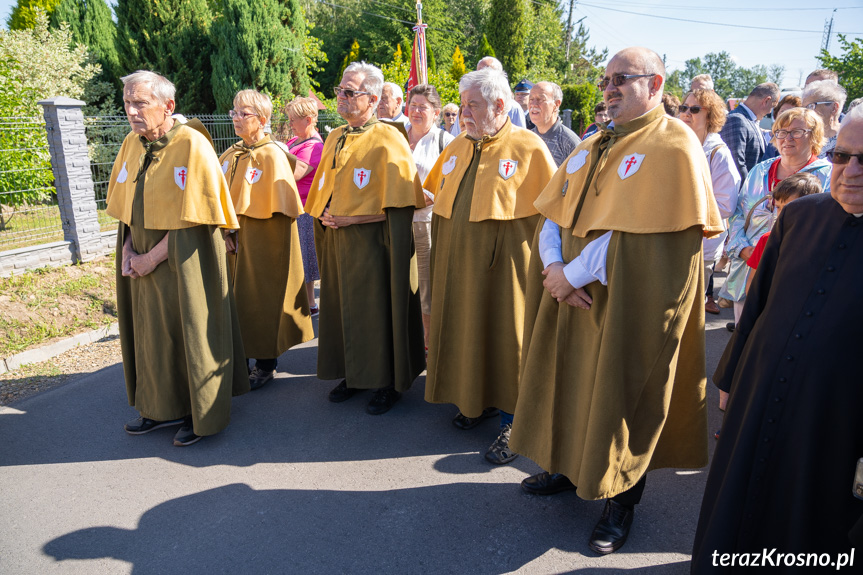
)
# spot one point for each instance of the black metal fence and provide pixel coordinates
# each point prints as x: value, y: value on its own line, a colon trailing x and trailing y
x: 28, y: 208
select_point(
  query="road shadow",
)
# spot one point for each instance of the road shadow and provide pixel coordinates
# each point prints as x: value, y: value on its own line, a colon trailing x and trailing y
x: 436, y: 529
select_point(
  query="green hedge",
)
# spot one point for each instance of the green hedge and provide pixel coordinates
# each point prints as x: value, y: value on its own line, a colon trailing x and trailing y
x: 580, y: 98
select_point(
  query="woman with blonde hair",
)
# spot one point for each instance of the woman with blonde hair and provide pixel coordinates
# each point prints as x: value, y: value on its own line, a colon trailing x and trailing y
x: 307, y: 145
x: 265, y: 259
x: 704, y: 112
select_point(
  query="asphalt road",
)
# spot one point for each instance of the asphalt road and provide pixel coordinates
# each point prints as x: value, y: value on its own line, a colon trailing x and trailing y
x: 297, y: 484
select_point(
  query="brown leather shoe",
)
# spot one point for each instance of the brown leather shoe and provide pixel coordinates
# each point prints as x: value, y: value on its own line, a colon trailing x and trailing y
x: 710, y: 306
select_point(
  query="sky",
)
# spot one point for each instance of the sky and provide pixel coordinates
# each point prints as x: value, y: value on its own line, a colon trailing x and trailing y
x: 791, y: 34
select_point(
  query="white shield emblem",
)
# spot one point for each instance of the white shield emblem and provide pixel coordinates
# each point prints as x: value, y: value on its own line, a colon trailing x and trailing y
x: 121, y: 177
x: 181, y: 176
x: 361, y: 177
x: 225, y: 165
x: 506, y: 168
x: 577, y: 161
x: 629, y: 165
x: 321, y: 181
x: 448, y: 166
x: 253, y: 175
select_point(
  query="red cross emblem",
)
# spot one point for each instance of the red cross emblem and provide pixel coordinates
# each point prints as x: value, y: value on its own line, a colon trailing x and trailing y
x: 180, y: 175
x: 629, y: 165
x: 362, y: 177
x: 253, y: 174
x: 506, y: 168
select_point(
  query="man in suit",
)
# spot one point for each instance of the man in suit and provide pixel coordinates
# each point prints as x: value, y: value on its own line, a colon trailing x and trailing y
x: 741, y: 132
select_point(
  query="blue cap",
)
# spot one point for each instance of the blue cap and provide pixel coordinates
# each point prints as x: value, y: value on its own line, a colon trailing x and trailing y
x: 523, y: 86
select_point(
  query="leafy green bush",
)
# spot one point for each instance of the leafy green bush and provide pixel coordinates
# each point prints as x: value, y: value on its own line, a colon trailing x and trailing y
x: 580, y: 98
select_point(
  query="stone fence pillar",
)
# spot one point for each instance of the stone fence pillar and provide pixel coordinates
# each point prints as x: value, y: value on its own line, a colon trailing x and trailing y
x: 70, y: 162
x: 566, y: 118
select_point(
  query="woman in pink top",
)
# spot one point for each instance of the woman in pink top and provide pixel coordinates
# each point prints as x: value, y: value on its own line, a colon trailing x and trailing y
x: 306, y: 145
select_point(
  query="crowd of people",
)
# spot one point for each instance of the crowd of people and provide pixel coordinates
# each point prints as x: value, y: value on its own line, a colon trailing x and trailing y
x: 557, y: 283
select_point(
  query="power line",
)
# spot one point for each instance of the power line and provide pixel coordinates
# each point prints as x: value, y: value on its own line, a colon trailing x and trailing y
x: 710, y: 23
x: 727, y: 9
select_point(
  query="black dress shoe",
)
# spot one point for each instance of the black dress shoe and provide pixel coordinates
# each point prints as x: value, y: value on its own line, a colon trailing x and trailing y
x: 342, y: 392
x: 611, y: 532
x: 186, y: 434
x: 383, y: 400
x: 546, y: 483
x: 143, y: 425
x: 463, y: 422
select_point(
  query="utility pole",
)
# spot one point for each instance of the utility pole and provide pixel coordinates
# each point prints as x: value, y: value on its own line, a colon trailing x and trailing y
x: 828, y: 29
x: 568, y: 43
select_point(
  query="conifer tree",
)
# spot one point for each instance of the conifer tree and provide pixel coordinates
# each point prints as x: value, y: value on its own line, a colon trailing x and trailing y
x: 352, y: 56
x: 255, y: 48
x: 457, y: 68
x: 170, y: 37
x: 485, y: 49
x: 508, y: 23
x: 23, y: 15
x: 294, y: 18
x: 430, y: 57
x: 90, y: 24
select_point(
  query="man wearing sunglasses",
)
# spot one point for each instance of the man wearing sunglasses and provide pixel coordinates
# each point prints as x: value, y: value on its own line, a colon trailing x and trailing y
x: 613, y: 370
x: 783, y: 473
x: 741, y: 132
x: 364, y: 195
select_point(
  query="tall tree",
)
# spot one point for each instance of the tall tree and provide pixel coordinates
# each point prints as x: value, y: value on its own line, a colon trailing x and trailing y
x: 507, y: 25
x: 23, y: 15
x: 485, y: 49
x: 457, y: 68
x: 90, y: 24
x: 849, y: 65
x: 293, y: 18
x: 170, y: 37
x: 256, y: 48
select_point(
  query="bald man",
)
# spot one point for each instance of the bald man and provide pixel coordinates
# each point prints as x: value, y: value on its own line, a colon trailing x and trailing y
x: 612, y: 381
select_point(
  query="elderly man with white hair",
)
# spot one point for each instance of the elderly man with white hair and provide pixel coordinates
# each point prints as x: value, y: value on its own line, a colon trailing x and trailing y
x: 484, y: 183
x: 826, y: 98
x: 391, y: 104
x: 701, y: 82
x: 364, y: 194
x: 182, y: 348
x: 513, y: 110
x: 783, y: 476
x: 544, y: 107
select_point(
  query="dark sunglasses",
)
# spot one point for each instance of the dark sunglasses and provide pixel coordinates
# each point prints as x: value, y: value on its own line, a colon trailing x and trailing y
x: 620, y: 80
x: 338, y: 91
x: 842, y: 158
x: 450, y: 114
x: 691, y: 109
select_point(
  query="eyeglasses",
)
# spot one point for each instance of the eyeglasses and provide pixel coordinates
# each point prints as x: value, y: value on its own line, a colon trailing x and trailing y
x: 813, y: 104
x: 348, y: 93
x: 842, y: 158
x: 450, y: 114
x: 240, y: 115
x: 796, y: 133
x: 691, y: 109
x: 620, y: 80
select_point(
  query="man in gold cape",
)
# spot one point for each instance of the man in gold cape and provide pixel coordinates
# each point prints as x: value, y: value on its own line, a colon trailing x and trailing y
x: 364, y: 195
x: 182, y: 351
x: 264, y: 254
x: 485, y: 183
x: 613, y: 374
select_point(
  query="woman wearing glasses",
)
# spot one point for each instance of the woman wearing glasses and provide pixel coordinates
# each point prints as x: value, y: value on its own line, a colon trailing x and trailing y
x: 826, y: 98
x: 265, y: 261
x: 426, y: 142
x: 306, y: 145
x: 704, y: 112
x: 450, y: 115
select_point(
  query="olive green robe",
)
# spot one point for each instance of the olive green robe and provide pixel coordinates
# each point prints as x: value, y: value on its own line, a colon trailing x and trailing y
x: 478, y: 277
x: 179, y: 335
x: 269, y: 286
x: 608, y: 393
x: 370, y: 327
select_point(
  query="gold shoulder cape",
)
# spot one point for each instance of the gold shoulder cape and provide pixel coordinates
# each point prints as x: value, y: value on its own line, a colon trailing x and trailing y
x: 261, y: 180
x: 184, y: 186
x: 495, y: 196
x: 653, y: 165
x: 373, y: 170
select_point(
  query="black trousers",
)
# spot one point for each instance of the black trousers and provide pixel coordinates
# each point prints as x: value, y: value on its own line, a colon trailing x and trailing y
x: 632, y: 496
